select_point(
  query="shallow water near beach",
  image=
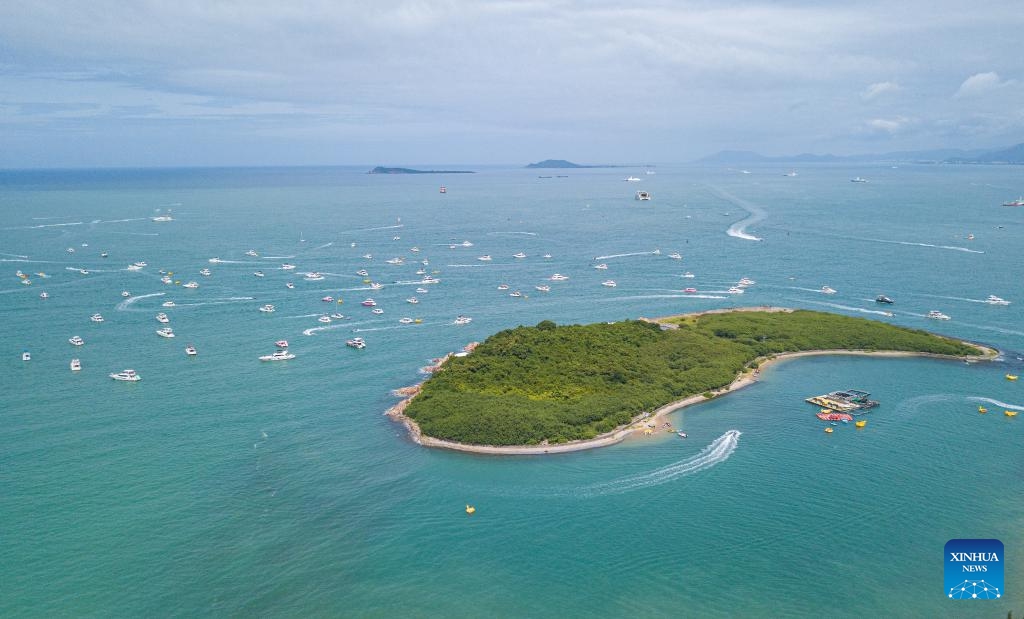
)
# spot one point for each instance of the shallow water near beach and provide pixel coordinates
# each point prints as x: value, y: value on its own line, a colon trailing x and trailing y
x: 221, y: 485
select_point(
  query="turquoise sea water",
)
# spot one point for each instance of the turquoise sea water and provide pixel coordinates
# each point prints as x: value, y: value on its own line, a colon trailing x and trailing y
x: 220, y: 485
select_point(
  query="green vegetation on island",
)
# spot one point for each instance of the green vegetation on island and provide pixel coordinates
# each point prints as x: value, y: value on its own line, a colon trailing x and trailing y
x: 383, y: 170
x: 552, y: 383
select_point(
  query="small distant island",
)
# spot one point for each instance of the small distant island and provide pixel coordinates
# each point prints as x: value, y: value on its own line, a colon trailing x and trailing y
x: 563, y: 164
x: 383, y: 170
x: 551, y: 388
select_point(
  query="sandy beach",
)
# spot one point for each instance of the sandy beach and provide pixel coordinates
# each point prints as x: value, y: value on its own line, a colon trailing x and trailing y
x: 641, y: 423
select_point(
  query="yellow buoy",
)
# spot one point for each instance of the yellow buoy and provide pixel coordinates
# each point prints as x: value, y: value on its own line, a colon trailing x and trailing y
x: 828, y: 430
x: 470, y: 509
x: 982, y: 410
x: 1010, y: 413
x: 861, y: 423
x: 1011, y: 377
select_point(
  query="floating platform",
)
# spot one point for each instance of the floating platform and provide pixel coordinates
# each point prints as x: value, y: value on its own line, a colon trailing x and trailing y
x: 849, y: 401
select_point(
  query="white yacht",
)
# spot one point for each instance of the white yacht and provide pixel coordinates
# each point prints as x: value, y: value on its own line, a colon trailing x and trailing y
x: 258, y: 273
x: 268, y: 308
x: 484, y: 258
x: 746, y: 281
x: 503, y: 286
x: 280, y: 355
x: 26, y: 355
x: 287, y: 267
x: 395, y: 261
x: 515, y: 293
x: 190, y: 285
x: 558, y: 277
x: 44, y: 295
x: 827, y: 290
x: 127, y: 375
x: 190, y: 350
x: 205, y: 272
x: 543, y: 288
x: 463, y: 320
x: 161, y: 218
x: 937, y: 315
x: 76, y: 365
x: 688, y: 275
x: 735, y: 290
x: 76, y: 340
x: 356, y: 342
x: 96, y: 318
x: 215, y: 260
x: 313, y: 276
x: 162, y: 317
x: 675, y: 256
x: 412, y: 300
x: 251, y: 252
x: 363, y: 273
x: 643, y: 196
x: 324, y: 319
x: 167, y: 304
x: 994, y: 300
x: 377, y: 310
x: 602, y: 266
x: 519, y: 255
x: 125, y: 293
x: 632, y: 179
x: 610, y: 283
x: 165, y: 332
x: 405, y: 321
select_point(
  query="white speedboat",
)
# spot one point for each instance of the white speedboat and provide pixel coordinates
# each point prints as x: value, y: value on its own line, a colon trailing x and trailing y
x: 827, y: 290
x: 313, y: 277
x: 356, y: 342
x: 643, y: 195
x: 162, y: 317
x: 126, y: 375
x: 602, y: 266
x: 515, y: 293
x: 205, y: 272
x: 377, y: 310
x: 337, y: 316
x: 937, y: 315
x: 609, y: 283
x: 258, y: 274
x: 422, y: 290
x: 376, y: 285
x: 430, y: 280
x: 484, y: 258
x: 421, y: 272
x: 395, y: 261
x: 191, y: 351
x: 558, y: 277
x: 134, y: 267
x: 70, y: 250
x: 251, y: 252
x: 994, y: 300
x: 215, y: 260
x: 368, y: 256
x: 190, y: 285
x: 289, y: 286
x: 26, y: 355
x: 412, y: 300
x: 161, y: 218
x: 44, y: 295
x: 675, y: 256
x: 396, y: 238
x: 414, y: 250
x: 405, y: 321
x: 96, y: 318
x: 858, y: 180
x: 268, y: 308
x: 281, y: 343
x: 324, y: 319
x: 166, y: 279
x: 363, y: 273
x: 76, y: 340
x: 167, y: 304
x: 546, y: 256
x: 543, y: 288
x: 165, y: 332
x: 790, y: 174
x: 463, y: 320
x: 688, y: 275
x: 503, y: 286
x: 287, y: 267
x: 632, y: 179
x: 125, y: 293
x: 280, y: 355
x: 76, y: 365
x: 519, y: 255
x: 140, y: 264
x: 735, y: 290
x: 466, y: 244
x: 746, y: 281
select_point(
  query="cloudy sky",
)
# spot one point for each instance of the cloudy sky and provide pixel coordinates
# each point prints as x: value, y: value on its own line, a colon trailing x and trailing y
x: 199, y: 82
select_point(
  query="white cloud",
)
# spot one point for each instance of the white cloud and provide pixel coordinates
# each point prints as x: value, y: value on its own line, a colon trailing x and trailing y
x: 980, y: 83
x: 888, y: 125
x: 879, y: 88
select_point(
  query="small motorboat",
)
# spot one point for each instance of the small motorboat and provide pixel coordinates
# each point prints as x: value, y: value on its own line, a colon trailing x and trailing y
x: 376, y: 285
x: 681, y: 434
x: 735, y: 290
x: 324, y: 319
x: 252, y: 252
x: 76, y: 365
x: 75, y: 340
x: 543, y: 288
x: 515, y: 293
x: 422, y: 291
x: 884, y: 299
x: 356, y: 342
x: 377, y: 311
x: 26, y: 355
x: 463, y: 320
x: 287, y: 267
x: 602, y: 266
x: 828, y: 430
x: 470, y: 509
x: 191, y: 285
x: 994, y: 300
x: 190, y: 350
x: 205, y: 272
x: 328, y: 299
x: 268, y: 308
x: 982, y: 410
x: 258, y: 273
x: 280, y: 355
x: 369, y: 303
x: 827, y: 290
x: 96, y: 318
x: 44, y: 295
x: 688, y: 275
x: 162, y: 317
x: 405, y: 321
x: 281, y: 343
x: 362, y: 273
x: 125, y: 293
x: 558, y: 277
x: 167, y: 304
x: 609, y: 283
x: 503, y: 286
x: 1011, y: 377
x: 126, y: 375
x: 412, y: 300
x: 675, y: 256
x: 937, y: 315
x: 165, y: 332
x: 689, y: 290
x: 313, y: 276
x: 289, y: 285
x: 519, y: 255
x: 337, y: 316
x: 484, y: 258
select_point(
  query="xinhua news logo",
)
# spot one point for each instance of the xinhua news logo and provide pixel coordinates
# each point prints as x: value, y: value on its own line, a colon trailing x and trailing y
x: 974, y: 569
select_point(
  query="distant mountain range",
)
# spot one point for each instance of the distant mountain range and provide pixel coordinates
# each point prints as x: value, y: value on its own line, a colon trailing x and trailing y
x: 1011, y: 155
x: 383, y: 170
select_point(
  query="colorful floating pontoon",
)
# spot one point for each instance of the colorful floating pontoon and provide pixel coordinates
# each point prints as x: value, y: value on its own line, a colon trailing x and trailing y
x: 833, y: 416
x: 851, y: 401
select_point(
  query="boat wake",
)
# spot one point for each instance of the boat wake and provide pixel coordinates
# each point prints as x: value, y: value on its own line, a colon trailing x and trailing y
x: 1016, y: 407
x: 949, y: 247
x: 521, y: 233
x: 636, y: 253
x: 718, y: 451
x: 936, y: 296
x: 850, y: 308
x: 377, y: 228
x: 325, y: 245
x: 13, y: 255
x: 124, y: 305
x: 277, y: 257
x: 756, y: 214
x: 672, y: 296
x: 38, y: 226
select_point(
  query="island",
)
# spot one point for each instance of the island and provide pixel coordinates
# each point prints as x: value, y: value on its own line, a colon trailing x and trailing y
x: 383, y: 170
x: 551, y: 388
x: 563, y: 164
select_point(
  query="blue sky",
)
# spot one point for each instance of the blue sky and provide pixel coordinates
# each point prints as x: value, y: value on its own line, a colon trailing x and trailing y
x: 190, y: 82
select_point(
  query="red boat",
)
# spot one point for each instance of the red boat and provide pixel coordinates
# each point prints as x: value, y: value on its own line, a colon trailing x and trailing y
x: 690, y: 290
x: 369, y: 303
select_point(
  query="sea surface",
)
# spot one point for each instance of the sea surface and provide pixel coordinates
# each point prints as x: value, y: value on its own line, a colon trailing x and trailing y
x: 222, y: 486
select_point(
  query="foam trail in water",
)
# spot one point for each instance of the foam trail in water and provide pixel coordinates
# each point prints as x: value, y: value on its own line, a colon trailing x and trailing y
x: 38, y: 226
x: 13, y: 255
x: 277, y: 257
x: 523, y: 233
x: 1016, y: 407
x: 755, y: 212
x: 949, y: 247
x: 849, y: 308
x: 380, y: 328
x: 323, y: 246
x: 467, y: 265
x: 637, y: 253
x: 718, y: 451
x: 936, y: 296
x: 377, y: 228
x: 994, y: 329
x: 123, y: 305
x: 672, y: 296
